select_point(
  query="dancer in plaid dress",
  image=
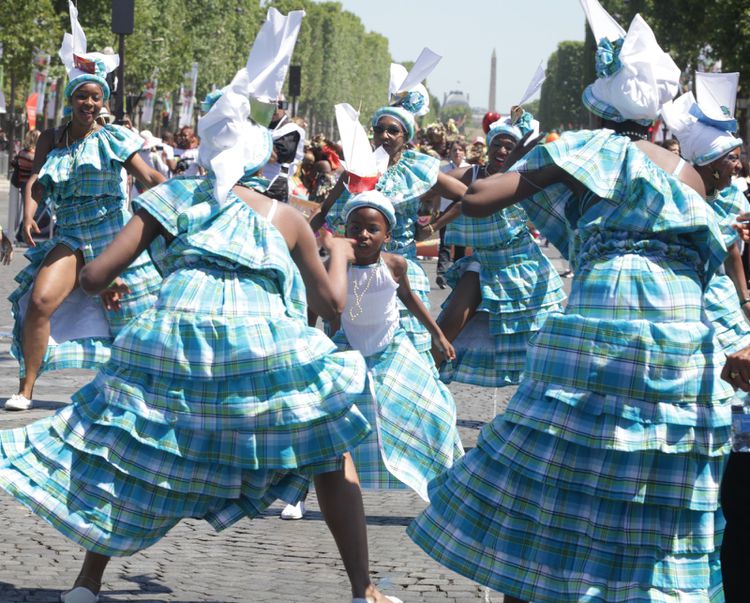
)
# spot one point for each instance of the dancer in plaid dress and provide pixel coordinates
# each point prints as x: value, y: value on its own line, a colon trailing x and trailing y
x: 414, y: 416
x: 77, y: 169
x: 600, y: 481
x: 219, y: 399
x: 411, y: 177
x: 504, y: 291
x: 705, y: 127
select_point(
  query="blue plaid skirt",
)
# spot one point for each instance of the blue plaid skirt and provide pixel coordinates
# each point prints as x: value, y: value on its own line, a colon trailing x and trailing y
x: 88, y: 225
x: 600, y: 482
x: 215, y: 403
x: 726, y: 315
x: 519, y: 288
x: 415, y: 437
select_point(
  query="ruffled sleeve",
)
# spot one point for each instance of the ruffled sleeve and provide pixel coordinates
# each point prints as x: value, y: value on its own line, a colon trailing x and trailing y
x: 630, y: 194
x: 122, y: 143
x: 728, y: 204
x: 169, y: 200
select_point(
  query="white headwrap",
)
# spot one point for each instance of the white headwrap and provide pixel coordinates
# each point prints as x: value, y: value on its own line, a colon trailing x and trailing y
x: 84, y: 67
x: 635, y: 76
x: 700, y: 143
x: 230, y: 143
x: 408, y: 96
x: 362, y: 163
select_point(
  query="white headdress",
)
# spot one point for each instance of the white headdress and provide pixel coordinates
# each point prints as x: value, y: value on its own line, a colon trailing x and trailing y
x: 84, y: 67
x: 520, y: 122
x: 635, y: 76
x: 230, y: 143
x: 704, y: 127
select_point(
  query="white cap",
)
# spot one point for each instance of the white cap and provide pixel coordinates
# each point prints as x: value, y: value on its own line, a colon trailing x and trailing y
x: 635, y: 76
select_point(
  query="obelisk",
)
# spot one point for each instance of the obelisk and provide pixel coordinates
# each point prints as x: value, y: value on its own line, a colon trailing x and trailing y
x: 493, y: 81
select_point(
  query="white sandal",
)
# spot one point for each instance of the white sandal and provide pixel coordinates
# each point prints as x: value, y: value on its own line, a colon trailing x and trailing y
x: 79, y: 594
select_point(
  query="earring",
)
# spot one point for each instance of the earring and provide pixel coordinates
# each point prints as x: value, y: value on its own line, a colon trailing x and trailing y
x: 716, y: 175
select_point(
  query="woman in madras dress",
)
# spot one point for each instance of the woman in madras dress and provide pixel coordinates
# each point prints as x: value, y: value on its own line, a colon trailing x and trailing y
x: 411, y: 177
x: 77, y: 169
x: 704, y: 126
x: 414, y: 437
x: 219, y: 399
x: 600, y: 482
x: 504, y: 291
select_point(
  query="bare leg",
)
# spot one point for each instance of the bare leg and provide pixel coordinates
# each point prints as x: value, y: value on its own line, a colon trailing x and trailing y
x: 56, y: 279
x: 340, y: 500
x: 463, y: 305
x: 92, y: 571
x: 509, y: 599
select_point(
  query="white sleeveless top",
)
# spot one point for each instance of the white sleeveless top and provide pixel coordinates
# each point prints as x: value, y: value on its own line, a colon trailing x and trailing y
x: 370, y: 317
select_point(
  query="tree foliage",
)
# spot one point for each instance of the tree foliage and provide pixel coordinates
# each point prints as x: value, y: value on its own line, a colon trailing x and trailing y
x: 340, y: 61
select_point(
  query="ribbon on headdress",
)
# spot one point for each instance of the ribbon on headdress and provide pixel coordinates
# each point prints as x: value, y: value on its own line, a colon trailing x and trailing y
x: 84, y: 67
x: 231, y: 145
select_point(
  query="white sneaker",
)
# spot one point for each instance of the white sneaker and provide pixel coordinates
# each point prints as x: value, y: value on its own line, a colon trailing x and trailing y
x: 79, y: 595
x: 294, y: 511
x: 18, y: 402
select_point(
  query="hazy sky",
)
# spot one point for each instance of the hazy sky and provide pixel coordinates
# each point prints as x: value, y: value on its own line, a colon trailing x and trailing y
x: 464, y: 32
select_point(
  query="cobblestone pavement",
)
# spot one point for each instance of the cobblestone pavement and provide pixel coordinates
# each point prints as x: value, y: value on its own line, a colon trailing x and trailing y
x: 261, y: 561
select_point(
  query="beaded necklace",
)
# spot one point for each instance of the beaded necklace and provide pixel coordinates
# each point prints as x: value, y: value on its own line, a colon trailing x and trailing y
x: 359, y: 296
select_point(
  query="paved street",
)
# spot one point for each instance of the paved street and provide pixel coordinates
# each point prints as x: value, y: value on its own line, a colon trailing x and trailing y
x: 266, y: 560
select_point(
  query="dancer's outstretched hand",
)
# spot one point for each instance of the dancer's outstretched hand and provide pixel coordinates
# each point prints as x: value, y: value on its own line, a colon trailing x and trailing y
x: 30, y: 228
x: 112, y: 295
x: 742, y: 226
x: 446, y: 348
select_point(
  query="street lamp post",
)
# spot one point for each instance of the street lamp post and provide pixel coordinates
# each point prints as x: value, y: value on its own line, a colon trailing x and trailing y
x: 122, y: 24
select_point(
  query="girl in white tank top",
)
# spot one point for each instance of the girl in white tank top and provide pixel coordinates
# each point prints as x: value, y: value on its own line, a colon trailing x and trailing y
x: 413, y: 415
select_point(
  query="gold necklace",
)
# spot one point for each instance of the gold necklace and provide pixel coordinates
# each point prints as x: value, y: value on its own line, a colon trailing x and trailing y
x: 359, y: 296
x: 67, y: 140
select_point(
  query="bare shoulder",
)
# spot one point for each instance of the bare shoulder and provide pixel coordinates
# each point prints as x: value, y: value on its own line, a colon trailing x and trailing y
x: 396, y: 264
x: 668, y: 161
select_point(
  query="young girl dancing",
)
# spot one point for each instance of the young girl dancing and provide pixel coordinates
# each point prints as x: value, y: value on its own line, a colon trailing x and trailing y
x: 414, y: 415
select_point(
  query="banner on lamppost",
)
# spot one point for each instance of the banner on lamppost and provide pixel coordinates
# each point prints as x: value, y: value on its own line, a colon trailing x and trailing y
x: 187, y: 97
x: 149, y: 99
x: 52, y: 100
x: 39, y: 79
x: 31, y: 105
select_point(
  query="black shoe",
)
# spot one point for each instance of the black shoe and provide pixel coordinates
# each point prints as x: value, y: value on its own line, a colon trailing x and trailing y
x: 440, y: 281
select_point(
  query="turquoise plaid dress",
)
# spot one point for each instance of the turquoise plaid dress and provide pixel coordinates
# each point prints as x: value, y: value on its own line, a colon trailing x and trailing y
x: 84, y: 186
x: 403, y: 183
x: 415, y: 437
x: 600, y: 482
x: 721, y: 302
x: 519, y: 288
x: 217, y: 400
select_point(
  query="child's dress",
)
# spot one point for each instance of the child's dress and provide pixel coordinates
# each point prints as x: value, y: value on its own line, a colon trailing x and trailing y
x: 217, y: 400
x: 413, y: 415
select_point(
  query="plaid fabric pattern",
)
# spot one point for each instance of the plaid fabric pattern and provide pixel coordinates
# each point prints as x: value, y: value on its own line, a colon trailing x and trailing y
x: 403, y: 183
x: 415, y: 437
x: 627, y: 193
x: 728, y: 204
x: 492, y: 231
x: 520, y: 288
x: 216, y: 401
x: 600, y: 482
x: 84, y: 185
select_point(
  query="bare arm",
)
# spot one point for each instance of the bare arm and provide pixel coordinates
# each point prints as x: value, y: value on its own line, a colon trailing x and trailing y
x: 137, y: 234
x: 398, y: 268
x: 318, y: 219
x: 146, y: 175
x: 736, y: 272
x: 451, y: 188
